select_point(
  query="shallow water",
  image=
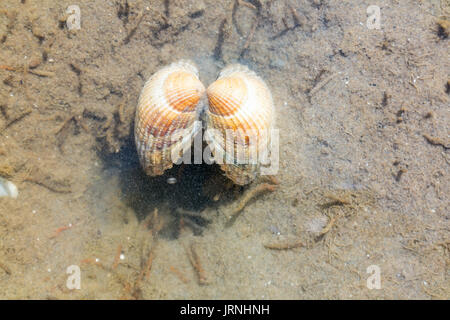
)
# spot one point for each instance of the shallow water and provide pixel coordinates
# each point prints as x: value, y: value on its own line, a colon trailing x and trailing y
x: 363, y: 118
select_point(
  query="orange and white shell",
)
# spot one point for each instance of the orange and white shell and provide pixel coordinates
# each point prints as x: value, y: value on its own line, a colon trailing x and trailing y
x: 241, y: 115
x: 165, y: 121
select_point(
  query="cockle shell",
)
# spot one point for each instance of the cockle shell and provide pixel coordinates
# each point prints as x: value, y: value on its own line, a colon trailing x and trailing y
x: 241, y: 103
x: 165, y: 121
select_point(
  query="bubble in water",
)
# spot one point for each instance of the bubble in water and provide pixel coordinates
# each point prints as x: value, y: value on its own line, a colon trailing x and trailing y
x: 171, y: 180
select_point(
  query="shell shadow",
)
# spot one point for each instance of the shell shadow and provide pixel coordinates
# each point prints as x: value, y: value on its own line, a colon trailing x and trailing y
x: 143, y: 193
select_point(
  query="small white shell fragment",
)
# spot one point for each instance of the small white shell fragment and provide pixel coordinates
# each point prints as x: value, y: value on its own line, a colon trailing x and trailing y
x: 8, y: 189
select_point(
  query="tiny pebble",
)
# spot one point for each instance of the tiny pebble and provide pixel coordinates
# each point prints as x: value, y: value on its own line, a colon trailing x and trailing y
x: 171, y: 180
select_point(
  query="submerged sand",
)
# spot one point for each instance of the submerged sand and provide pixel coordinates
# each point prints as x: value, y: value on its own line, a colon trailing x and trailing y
x: 364, y: 161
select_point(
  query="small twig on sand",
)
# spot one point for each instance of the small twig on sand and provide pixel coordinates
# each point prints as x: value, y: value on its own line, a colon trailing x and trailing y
x: 52, y: 185
x: 218, y: 54
x: 321, y: 84
x: 5, y: 268
x: 295, y: 15
x: 251, y: 194
x: 40, y: 73
x: 272, y: 179
x: 246, y: 4
x: 132, y: 31
x: 8, y: 68
x: 284, y: 245
x: 148, y: 265
x: 156, y: 222
x: 16, y: 118
x: 436, y: 141
x: 117, y: 257
x: 335, y: 201
x: 59, y: 230
x: 328, y: 227
x: 179, y: 274
x: 196, y: 264
x: 250, y: 36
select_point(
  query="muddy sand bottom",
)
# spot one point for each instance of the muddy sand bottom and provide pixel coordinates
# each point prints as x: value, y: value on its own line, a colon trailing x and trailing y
x: 364, y: 153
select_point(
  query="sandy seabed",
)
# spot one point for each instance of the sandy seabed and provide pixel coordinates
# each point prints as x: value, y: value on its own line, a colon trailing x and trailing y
x: 364, y: 152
